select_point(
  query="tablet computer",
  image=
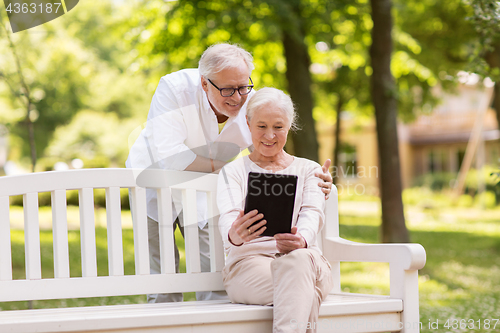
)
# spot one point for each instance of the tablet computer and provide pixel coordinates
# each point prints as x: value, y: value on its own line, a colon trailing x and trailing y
x: 274, y: 196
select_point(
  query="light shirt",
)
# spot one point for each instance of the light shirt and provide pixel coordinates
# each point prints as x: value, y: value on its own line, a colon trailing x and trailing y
x: 308, y: 212
x: 221, y: 126
x: 180, y: 126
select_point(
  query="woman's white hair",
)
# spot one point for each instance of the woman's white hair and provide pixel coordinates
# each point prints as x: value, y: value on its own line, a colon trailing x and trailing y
x: 221, y: 56
x: 276, y: 98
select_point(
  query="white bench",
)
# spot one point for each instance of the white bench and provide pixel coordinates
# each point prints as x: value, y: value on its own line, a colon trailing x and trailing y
x: 341, y: 312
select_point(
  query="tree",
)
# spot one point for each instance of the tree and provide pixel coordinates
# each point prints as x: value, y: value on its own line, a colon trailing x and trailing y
x: 486, y: 58
x: 21, y: 92
x: 383, y: 90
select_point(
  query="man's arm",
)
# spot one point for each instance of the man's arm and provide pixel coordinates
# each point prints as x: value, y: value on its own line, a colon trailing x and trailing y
x: 203, y: 164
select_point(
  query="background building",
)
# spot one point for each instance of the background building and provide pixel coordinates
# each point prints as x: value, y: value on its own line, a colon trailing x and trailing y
x: 433, y: 143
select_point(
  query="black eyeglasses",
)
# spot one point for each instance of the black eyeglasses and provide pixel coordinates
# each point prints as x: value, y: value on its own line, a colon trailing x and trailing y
x: 228, y: 92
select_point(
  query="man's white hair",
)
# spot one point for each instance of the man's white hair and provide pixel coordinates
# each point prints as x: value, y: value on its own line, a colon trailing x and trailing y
x: 221, y: 56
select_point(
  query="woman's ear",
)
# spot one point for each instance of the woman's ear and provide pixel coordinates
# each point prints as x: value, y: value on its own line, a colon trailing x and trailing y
x: 248, y: 123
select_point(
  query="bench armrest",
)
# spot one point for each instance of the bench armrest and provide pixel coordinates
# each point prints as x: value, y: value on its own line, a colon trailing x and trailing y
x: 404, y: 262
x: 403, y: 256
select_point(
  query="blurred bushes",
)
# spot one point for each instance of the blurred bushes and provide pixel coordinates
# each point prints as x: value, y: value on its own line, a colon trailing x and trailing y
x: 439, y: 188
x: 428, y: 199
x: 446, y: 180
x: 486, y: 199
x: 98, y: 161
x: 98, y: 139
x: 44, y: 198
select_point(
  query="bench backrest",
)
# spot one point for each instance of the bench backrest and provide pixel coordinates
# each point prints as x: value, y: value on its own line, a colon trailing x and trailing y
x: 116, y: 283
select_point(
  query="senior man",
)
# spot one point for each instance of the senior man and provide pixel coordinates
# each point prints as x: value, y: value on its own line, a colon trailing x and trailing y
x: 196, y: 122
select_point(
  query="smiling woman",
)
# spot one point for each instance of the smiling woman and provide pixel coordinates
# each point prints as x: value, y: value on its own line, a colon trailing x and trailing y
x: 257, y: 267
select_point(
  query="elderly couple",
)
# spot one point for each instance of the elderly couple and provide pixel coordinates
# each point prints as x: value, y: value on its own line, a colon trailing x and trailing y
x: 198, y: 120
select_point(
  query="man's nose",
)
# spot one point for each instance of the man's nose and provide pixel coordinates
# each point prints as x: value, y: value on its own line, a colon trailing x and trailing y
x: 237, y: 96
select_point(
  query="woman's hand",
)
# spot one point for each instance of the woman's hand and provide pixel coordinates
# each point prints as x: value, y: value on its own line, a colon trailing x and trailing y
x: 326, y: 185
x: 288, y: 242
x: 241, y: 231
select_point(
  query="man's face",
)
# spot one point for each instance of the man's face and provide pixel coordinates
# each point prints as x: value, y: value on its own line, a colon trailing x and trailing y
x: 227, y: 78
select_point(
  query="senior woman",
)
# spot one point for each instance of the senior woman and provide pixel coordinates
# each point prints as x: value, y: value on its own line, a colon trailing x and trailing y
x: 287, y: 270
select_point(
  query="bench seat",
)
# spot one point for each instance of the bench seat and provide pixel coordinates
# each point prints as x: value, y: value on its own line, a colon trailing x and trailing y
x: 338, y: 310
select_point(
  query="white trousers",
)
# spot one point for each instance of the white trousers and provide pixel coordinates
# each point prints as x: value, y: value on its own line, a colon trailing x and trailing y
x: 295, y: 284
x: 155, y: 266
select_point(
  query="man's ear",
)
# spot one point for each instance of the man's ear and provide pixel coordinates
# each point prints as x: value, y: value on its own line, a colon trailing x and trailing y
x: 204, y: 84
x: 248, y: 123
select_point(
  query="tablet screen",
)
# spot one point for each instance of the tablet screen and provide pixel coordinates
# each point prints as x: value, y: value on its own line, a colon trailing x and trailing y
x: 274, y: 196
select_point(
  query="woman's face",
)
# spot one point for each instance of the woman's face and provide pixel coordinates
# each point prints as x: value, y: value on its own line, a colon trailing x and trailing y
x: 269, y: 128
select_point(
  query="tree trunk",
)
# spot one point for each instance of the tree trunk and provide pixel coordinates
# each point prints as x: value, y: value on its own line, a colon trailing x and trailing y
x: 305, y: 143
x: 383, y: 91
x: 336, y: 150
x: 493, y: 60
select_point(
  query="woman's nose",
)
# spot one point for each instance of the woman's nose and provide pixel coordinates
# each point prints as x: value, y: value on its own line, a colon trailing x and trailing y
x: 269, y: 134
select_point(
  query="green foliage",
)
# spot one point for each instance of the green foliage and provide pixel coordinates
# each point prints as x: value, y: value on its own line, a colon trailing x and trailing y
x: 486, y: 199
x: 446, y: 180
x: 92, y: 134
x: 426, y: 198
x: 496, y: 177
x: 485, y: 18
x: 75, y: 63
x: 436, y: 181
x: 465, y: 200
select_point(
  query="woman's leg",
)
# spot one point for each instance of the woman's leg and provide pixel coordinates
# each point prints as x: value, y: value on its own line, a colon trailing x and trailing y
x: 302, y: 279
x: 249, y: 281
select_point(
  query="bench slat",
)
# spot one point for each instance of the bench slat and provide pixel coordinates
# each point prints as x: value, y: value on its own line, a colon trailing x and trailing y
x: 139, y: 219
x: 32, y: 236
x: 87, y: 232
x: 102, y: 286
x: 189, y: 207
x: 331, y: 229
x: 5, y: 244
x: 167, y: 255
x: 217, y: 257
x: 60, y: 234
x: 337, y: 314
x: 114, y: 226
x: 66, y: 180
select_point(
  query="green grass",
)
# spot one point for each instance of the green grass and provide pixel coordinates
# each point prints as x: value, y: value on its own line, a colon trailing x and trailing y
x: 461, y: 279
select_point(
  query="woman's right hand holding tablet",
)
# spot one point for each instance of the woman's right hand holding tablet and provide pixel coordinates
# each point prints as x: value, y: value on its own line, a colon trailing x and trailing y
x: 242, y: 230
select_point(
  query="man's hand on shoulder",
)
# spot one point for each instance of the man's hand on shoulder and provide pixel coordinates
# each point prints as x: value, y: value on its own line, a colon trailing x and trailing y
x: 326, y: 185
